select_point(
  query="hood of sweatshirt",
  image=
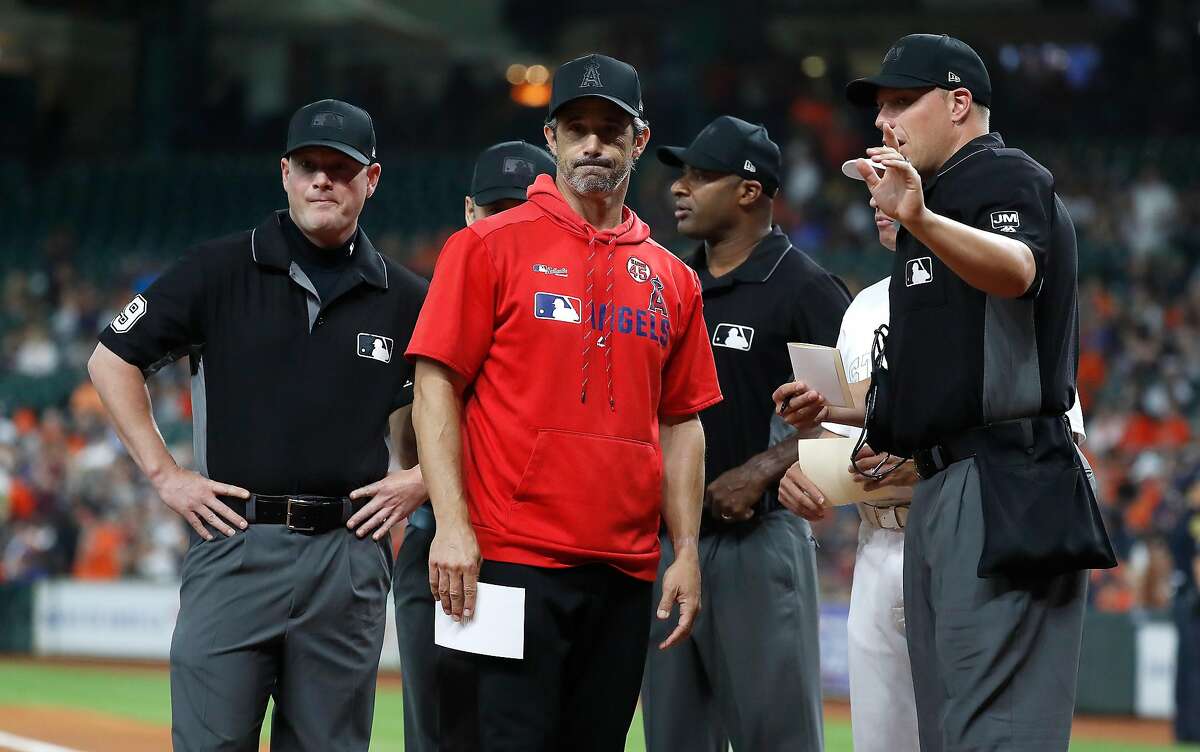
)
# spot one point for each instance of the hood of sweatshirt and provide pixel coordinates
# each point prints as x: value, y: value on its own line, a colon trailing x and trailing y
x: 544, y: 193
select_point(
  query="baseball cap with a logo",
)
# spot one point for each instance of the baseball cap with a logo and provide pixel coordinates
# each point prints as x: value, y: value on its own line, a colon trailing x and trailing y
x: 597, y: 76
x: 920, y: 60
x: 729, y: 145
x: 506, y: 170
x: 336, y: 125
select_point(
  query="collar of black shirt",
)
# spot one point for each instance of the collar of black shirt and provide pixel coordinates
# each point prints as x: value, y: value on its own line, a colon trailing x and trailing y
x: 758, y: 267
x: 969, y: 149
x: 269, y: 247
x: 309, y: 254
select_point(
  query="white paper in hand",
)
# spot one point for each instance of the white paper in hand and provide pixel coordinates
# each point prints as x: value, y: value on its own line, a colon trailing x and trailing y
x: 820, y: 367
x: 496, y: 628
x: 826, y: 462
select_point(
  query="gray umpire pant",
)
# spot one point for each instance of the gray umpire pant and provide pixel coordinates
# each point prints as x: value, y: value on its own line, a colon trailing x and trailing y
x: 994, y: 661
x: 295, y: 617
x: 414, y: 629
x: 750, y: 672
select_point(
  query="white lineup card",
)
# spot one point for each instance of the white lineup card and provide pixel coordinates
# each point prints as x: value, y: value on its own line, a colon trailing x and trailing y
x: 820, y: 367
x: 826, y: 462
x: 496, y: 628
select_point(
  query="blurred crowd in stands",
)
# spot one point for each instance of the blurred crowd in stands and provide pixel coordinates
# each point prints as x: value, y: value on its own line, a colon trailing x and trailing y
x: 73, y: 504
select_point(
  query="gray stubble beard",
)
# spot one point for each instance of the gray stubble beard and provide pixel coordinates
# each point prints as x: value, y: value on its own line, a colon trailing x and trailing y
x: 597, y: 183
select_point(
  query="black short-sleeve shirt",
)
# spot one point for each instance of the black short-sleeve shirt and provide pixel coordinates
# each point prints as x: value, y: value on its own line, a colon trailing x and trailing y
x: 958, y: 357
x: 290, y: 393
x: 778, y: 295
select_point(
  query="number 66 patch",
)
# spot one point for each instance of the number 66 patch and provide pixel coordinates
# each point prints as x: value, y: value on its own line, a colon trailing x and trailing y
x: 130, y: 315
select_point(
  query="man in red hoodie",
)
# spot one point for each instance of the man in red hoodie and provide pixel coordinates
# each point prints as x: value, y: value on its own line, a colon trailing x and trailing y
x: 561, y: 362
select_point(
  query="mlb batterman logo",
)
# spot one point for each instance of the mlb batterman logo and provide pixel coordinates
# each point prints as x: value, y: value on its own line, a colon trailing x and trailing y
x: 733, y: 336
x: 375, y: 346
x: 327, y: 120
x: 522, y: 168
x: 554, y: 307
x: 129, y: 315
x: 919, y: 271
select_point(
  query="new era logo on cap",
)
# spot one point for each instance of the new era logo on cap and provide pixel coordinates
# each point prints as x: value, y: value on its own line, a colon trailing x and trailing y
x: 749, y: 166
x: 953, y: 78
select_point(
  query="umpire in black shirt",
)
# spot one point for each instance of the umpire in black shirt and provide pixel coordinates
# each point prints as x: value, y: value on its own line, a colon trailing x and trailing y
x: 294, y: 331
x: 980, y: 369
x: 750, y: 672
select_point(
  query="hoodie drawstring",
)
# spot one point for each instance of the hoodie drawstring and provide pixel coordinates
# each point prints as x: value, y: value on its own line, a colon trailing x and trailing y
x: 609, y: 341
x: 589, y: 305
x: 607, y: 318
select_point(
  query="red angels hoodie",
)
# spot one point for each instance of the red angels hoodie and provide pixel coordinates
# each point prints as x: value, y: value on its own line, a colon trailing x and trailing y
x: 574, y: 342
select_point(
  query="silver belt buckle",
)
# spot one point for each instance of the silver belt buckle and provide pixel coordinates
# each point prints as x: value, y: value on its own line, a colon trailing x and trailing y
x: 887, y: 518
x: 288, y: 524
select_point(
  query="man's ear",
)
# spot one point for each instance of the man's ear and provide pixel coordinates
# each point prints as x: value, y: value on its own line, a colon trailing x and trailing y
x: 960, y: 105
x: 640, y: 142
x: 374, y: 170
x: 551, y: 140
x: 468, y: 210
x: 749, y: 191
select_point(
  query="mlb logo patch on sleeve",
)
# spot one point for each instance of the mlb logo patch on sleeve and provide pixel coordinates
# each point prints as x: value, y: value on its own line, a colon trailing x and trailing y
x: 554, y: 307
x: 375, y: 346
x: 1006, y: 221
x: 130, y: 315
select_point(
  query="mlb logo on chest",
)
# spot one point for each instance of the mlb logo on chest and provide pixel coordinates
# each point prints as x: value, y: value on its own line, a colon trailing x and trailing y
x: 918, y: 271
x: 375, y: 347
x: 554, y: 307
x: 733, y: 336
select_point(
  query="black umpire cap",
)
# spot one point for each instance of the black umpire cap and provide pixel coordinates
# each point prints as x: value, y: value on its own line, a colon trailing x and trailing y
x: 597, y: 76
x: 336, y: 125
x: 920, y: 60
x: 506, y: 170
x: 729, y: 145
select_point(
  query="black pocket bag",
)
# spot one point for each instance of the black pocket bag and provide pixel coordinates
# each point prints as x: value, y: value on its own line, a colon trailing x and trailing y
x: 1040, y: 515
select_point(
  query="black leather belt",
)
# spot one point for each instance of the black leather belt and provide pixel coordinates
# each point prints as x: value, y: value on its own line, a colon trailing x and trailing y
x: 931, y: 461
x: 301, y: 513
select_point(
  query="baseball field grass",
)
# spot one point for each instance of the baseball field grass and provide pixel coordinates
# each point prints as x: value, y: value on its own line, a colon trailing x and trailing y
x: 32, y: 693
